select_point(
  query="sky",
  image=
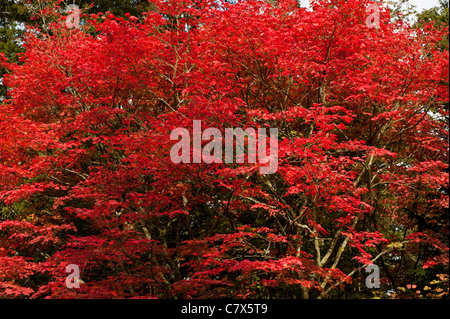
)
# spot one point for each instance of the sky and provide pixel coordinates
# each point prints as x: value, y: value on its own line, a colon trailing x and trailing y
x: 420, y: 4
x: 424, y: 4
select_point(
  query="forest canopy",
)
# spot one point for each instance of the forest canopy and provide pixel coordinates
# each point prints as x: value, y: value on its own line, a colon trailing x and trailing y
x: 359, y: 101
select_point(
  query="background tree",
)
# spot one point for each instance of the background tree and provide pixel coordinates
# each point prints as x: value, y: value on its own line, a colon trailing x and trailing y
x: 438, y: 16
x: 13, y: 15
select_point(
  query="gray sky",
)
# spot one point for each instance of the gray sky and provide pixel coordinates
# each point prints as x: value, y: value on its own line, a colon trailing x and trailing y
x: 420, y: 4
x: 424, y: 4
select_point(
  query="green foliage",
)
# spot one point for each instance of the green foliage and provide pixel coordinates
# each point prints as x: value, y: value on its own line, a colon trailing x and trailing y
x: 402, y: 9
x: 439, y: 17
x: 12, y: 16
x: 117, y: 7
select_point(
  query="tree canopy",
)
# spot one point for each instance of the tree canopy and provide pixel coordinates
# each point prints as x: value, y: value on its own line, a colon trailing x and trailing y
x: 87, y: 178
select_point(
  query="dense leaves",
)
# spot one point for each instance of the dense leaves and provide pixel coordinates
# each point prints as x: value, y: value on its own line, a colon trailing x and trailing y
x: 16, y: 14
x: 86, y: 176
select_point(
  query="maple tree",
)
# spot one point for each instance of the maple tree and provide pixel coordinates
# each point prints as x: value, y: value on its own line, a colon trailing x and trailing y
x: 14, y: 14
x: 86, y: 176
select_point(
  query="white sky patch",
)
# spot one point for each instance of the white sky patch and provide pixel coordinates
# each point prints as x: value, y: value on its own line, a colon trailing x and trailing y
x: 424, y: 4
x: 420, y: 4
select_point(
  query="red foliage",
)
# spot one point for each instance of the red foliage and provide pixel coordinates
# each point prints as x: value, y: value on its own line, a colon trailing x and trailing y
x: 86, y: 177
